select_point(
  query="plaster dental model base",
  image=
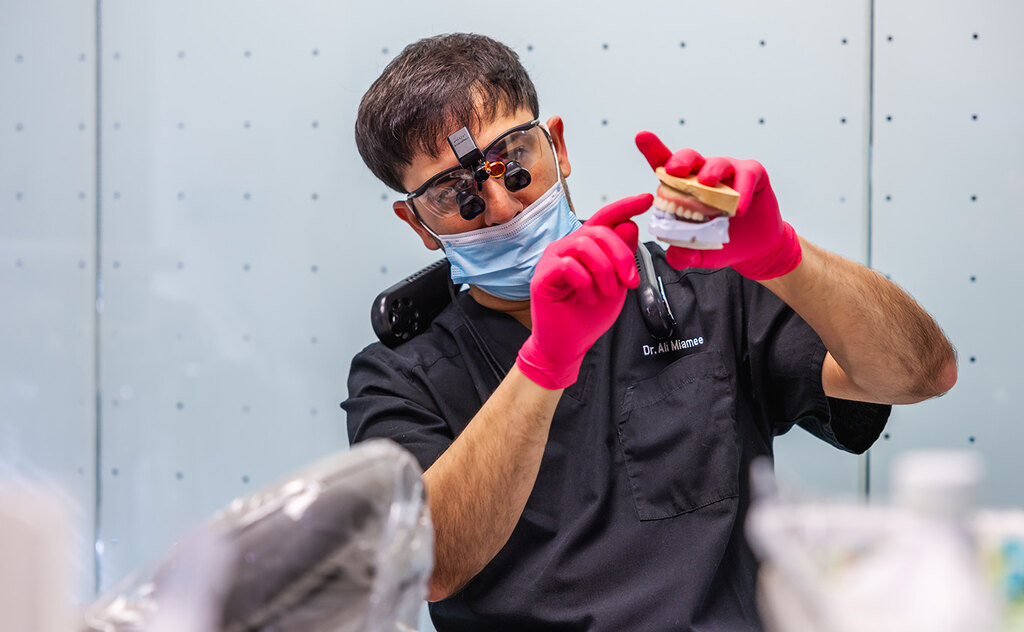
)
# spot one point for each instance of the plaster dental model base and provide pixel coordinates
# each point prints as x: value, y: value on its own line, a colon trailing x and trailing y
x: 690, y: 214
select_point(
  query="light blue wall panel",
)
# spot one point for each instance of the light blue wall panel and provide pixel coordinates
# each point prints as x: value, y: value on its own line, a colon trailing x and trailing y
x: 243, y: 239
x: 947, y: 175
x: 227, y: 255
x: 47, y: 255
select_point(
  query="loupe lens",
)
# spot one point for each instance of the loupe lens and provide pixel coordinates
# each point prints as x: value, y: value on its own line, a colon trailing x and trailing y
x: 516, y: 177
x: 470, y: 205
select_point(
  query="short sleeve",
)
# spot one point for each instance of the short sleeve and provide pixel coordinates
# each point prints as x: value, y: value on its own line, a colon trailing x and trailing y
x: 388, y: 400
x: 785, y: 356
x: 853, y: 426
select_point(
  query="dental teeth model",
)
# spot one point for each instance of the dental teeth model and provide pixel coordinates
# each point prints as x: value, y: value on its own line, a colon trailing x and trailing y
x: 690, y: 214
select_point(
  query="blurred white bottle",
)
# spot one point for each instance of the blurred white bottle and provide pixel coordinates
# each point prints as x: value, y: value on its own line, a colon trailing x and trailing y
x: 34, y: 569
x: 925, y: 576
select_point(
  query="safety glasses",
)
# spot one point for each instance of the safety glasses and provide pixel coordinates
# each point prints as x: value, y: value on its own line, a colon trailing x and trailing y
x: 515, y: 151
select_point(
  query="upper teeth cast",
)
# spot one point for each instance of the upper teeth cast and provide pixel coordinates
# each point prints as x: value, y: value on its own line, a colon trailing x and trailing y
x: 678, y: 210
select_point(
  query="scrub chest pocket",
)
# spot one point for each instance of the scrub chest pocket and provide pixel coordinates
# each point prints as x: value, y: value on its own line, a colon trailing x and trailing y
x: 678, y: 436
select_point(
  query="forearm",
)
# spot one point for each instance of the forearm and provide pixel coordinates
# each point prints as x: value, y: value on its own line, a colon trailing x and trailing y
x: 478, y: 488
x: 879, y: 336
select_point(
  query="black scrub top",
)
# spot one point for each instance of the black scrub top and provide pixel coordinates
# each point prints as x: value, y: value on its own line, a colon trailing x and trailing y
x: 636, y: 519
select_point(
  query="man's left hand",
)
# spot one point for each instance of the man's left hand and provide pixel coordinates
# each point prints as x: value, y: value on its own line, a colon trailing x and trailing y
x: 761, y: 245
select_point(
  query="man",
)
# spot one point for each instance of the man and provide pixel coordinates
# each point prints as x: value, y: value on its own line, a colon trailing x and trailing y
x: 579, y: 475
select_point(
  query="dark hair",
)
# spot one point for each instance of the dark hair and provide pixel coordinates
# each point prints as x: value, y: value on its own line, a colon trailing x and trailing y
x: 432, y: 88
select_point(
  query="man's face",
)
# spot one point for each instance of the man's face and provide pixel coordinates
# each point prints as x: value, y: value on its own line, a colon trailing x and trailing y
x: 501, y: 204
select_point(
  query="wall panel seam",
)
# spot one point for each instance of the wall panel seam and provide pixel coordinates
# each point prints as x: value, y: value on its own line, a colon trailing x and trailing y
x: 97, y: 308
x: 865, y: 463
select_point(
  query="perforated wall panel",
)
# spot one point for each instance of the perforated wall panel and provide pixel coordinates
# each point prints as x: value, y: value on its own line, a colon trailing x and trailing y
x: 947, y: 177
x: 48, y: 256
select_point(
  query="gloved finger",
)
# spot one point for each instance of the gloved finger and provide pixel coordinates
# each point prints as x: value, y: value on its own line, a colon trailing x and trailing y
x: 750, y: 178
x: 715, y: 170
x: 579, y: 280
x: 548, y: 282
x: 557, y: 278
x: 621, y: 210
x: 684, y: 162
x: 621, y: 257
x: 655, y: 151
x: 682, y: 258
x: 588, y: 250
x: 629, y: 233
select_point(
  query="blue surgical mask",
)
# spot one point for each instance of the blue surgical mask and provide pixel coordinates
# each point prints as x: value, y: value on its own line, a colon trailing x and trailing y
x: 501, y: 259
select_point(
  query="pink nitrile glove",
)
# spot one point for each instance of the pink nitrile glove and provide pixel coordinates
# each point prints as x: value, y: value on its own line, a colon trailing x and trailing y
x: 578, y: 290
x: 761, y: 246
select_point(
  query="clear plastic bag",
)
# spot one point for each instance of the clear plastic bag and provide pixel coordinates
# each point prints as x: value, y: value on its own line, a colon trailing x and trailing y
x: 344, y: 545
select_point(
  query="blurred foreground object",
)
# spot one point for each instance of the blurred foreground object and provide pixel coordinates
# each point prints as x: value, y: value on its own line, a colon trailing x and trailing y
x: 926, y: 562
x: 34, y: 575
x: 344, y: 545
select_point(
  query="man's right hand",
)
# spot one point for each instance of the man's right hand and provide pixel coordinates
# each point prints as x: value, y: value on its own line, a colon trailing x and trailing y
x: 578, y: 290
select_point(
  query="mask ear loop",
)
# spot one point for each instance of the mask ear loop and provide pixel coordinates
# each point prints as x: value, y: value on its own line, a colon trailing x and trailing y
x: 419, y: 219
x: 558, y: 167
